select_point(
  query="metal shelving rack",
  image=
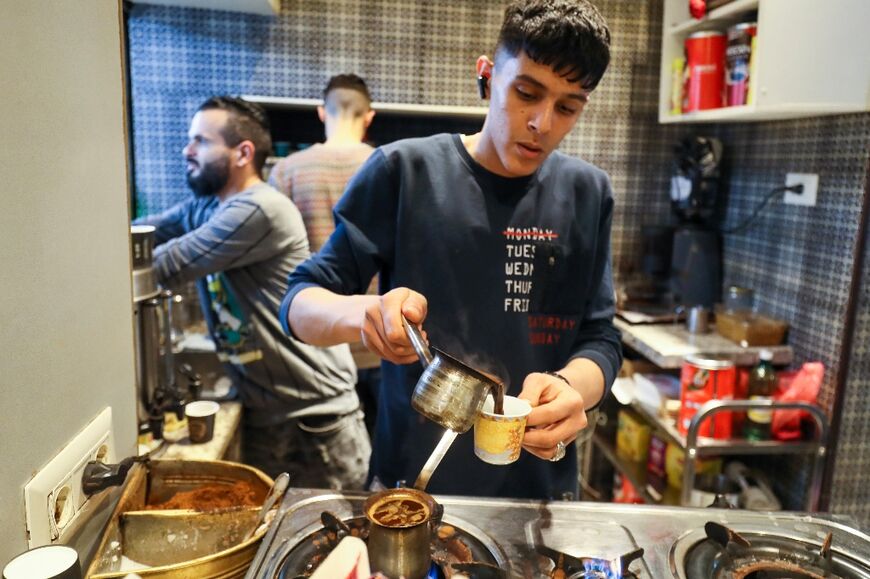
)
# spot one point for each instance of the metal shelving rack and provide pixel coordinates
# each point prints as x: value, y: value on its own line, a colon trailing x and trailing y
x: 636, y: 473
x: 666, y: 346
x: 695, y: 446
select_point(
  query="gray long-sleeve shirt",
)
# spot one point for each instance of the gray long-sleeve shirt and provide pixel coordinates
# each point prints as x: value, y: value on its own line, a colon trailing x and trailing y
x: 241, y: 252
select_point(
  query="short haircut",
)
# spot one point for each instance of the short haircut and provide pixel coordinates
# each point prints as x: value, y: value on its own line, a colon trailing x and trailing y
x: 246, y: 121
x: 347, y: 93
x: 570, y: 36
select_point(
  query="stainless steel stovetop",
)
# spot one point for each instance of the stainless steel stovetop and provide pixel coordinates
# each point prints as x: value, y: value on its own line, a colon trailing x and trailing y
x: 510, y: 530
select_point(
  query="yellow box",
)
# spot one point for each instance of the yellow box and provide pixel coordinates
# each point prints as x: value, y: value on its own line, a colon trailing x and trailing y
x: 674, y: 459
x: 632, y: 437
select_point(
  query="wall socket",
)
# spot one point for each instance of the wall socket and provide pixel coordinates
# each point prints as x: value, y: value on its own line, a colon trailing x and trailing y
x: 53, y: 498
x: 810, y: 181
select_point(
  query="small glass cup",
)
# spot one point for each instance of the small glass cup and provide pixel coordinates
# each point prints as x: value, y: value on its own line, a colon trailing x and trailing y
x: 739, y: 299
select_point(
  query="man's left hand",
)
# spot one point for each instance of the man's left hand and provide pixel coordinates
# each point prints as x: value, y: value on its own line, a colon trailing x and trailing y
x: 557, y: 414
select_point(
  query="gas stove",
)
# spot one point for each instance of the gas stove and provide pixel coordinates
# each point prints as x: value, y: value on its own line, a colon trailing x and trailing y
x: 496, y: 539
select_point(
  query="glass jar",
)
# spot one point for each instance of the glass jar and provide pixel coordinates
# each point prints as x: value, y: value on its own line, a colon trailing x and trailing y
x: 739, y: 299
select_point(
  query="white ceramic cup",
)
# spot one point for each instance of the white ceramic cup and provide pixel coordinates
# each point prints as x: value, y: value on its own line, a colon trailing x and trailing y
x: 48, y: 562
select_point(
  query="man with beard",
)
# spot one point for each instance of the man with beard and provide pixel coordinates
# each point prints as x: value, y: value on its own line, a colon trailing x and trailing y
x: 240, y: 239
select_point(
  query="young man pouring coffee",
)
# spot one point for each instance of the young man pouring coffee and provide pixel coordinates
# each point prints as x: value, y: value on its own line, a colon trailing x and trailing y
x: 495, y: 245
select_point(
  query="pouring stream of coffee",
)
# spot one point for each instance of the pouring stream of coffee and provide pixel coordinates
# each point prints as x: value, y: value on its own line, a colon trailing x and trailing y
x: 497, y: 395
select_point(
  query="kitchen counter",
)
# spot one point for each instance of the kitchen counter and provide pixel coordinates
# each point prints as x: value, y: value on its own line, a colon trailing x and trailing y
x: 225, y: 445
x: 667, y: 345
x: 651, y: 542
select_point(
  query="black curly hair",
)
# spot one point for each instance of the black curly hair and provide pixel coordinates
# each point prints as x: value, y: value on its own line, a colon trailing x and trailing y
x: 570, y: 36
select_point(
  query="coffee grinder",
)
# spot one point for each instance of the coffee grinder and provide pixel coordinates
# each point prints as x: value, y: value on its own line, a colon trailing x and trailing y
x: 697, y: 200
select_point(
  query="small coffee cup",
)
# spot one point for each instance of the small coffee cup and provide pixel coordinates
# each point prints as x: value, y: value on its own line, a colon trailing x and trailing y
x: 200, y: 420
x: 47, y: 562
x: 498, y: 438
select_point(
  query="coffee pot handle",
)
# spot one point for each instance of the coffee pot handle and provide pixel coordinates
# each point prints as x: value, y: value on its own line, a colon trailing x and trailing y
x: 437, y: 516
x: 418, y: 342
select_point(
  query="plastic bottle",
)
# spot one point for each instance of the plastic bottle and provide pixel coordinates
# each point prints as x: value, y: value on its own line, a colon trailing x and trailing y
x: 762, y: 385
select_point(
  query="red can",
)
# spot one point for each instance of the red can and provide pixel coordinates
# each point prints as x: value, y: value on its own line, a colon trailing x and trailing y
x: 737, y: 57
x: 702, y: 379
x: 705, y: 67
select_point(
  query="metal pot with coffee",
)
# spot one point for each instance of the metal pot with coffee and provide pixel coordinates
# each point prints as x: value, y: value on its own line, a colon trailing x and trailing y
x: 449, y: 392
x: 402, y: 525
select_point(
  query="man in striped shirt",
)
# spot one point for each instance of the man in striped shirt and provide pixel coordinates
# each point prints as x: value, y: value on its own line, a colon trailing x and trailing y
x: 315, y: 179
x: 239, y: 239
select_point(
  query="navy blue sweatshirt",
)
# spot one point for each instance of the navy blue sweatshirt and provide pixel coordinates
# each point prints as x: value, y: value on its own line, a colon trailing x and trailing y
x: 517, y: 276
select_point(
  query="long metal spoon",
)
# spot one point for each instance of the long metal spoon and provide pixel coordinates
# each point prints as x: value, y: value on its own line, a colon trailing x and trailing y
x: 282, y: 481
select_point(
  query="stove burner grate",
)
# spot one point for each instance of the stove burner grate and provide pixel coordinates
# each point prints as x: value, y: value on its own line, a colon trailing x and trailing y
x: 454, y: 549
x: 726, y: 554
x: 570, y: 567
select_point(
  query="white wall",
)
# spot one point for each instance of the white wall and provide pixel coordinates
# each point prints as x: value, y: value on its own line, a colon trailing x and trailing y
x: 66, y: 330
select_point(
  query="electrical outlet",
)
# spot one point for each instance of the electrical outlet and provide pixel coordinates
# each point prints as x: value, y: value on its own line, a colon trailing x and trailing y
x: 53, y: 498
x: 810, y: 181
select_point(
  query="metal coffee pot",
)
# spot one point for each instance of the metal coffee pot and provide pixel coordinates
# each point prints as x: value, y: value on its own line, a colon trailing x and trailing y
x: 402, y: 524
x: 449, y: 392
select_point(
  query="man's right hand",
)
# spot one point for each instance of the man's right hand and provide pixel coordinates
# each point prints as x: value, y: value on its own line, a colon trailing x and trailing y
x: 382, y: 331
